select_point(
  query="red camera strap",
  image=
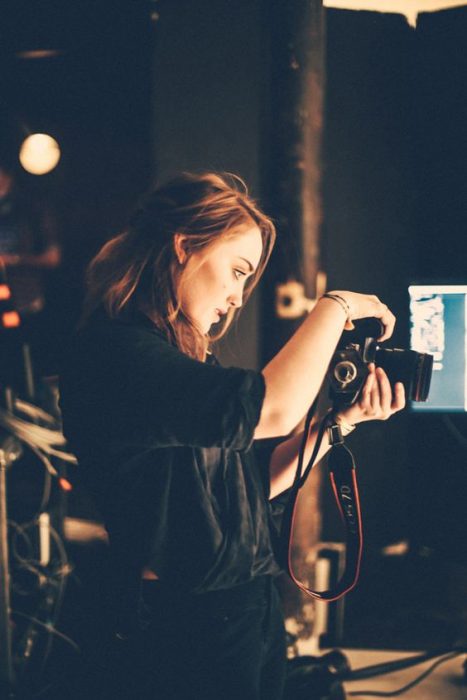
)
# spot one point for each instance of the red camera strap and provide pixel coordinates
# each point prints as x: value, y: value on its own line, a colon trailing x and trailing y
x: 342, y: 474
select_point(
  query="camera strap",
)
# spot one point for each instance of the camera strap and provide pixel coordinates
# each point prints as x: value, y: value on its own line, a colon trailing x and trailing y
x: 342, y: 473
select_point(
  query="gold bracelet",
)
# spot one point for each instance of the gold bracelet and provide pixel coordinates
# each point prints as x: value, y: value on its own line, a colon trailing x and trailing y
x: 341, y: 301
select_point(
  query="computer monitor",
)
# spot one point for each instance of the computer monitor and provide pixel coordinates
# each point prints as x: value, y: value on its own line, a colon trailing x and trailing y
x: 438, y: 325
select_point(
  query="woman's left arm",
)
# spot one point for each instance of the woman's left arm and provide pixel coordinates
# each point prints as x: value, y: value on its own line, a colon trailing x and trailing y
x: 377, y: 402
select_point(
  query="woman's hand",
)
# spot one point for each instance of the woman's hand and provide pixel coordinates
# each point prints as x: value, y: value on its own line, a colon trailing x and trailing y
x: 294, y: 376
x: 377, y: 400
x: 367, y: 306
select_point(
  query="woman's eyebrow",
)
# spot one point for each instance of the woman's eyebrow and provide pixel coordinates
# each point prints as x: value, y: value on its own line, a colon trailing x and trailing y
x: 250, y: 266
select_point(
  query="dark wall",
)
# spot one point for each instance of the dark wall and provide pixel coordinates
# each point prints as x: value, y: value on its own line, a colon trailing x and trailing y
x: 93, y: 94
x: 208, y: 87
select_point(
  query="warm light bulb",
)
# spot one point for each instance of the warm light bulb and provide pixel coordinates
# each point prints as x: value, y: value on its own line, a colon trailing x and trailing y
x: 39, y: 154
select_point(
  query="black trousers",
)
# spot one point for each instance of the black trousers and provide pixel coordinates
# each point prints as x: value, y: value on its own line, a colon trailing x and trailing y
x: 227, y: 645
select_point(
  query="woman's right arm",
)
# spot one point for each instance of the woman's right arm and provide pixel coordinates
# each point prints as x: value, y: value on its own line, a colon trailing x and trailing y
x: 294, y: 376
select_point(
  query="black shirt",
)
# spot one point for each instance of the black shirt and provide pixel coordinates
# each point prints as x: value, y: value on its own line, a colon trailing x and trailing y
x: 165, y: 444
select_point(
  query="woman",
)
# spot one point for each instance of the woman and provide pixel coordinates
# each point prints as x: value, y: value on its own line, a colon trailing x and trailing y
x: 166, y: 439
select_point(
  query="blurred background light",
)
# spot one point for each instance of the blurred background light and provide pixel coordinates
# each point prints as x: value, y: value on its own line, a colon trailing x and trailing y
x: 39, y: 154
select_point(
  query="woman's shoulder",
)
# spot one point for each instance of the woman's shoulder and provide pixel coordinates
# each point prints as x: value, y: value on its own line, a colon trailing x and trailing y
x: 104, y: 341
x: 137, y: 325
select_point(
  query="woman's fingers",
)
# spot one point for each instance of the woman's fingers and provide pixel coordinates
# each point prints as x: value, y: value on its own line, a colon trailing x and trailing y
x: 398, y: 402
x: 388, y: 320
x: 367, y: 306
x: 378, y: 400
x: 367, y: 395
x: 375, y: 398
x: 384, y: 398
x: 385, y: 315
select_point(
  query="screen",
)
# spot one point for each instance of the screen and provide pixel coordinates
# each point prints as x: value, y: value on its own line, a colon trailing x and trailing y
x: 438, y: 325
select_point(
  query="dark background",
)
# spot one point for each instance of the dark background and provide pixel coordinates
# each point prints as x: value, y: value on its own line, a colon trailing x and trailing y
x: 140, y: 90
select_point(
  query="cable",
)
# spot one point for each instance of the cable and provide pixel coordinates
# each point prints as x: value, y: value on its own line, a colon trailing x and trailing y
x: 52, y: 583
x: 24, y: 563
x: 41, y: 441
x: 34, y: 412
x: 45, y: 439
x: 48, y: 436
x: 65, y: 456
x: 50, y: 579
x: 32, y: 564
x: 411, y: 684
x: 49, y: 628
x: 49, y: 472
x: 44, y: 459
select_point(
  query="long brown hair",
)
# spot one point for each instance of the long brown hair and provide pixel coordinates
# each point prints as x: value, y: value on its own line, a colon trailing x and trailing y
x: 137, y: 270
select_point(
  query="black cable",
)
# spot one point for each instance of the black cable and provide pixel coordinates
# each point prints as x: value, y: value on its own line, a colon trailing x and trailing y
x: 401, y: 664
x: 48, y: 628
x: 411, y: 684
x: 52, y: 587
x: 57, y: 605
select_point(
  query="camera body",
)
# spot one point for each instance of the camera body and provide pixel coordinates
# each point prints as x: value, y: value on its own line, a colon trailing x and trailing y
x: 348, y: 369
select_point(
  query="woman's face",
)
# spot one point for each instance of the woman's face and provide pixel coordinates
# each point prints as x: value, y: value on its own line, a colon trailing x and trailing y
x: 213, y: 279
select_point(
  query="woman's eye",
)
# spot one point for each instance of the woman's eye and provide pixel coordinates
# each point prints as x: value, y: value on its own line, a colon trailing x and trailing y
x: 239, y: 274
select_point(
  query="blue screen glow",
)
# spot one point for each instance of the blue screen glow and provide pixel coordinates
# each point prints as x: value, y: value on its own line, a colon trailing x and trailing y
x: 438, y: 326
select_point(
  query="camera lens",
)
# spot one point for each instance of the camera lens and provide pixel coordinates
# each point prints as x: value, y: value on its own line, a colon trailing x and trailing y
x: 411, y: 368
x: 345, y: 372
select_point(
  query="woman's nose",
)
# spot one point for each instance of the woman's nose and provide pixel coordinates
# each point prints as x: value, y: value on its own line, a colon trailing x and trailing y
x: 235, y: 299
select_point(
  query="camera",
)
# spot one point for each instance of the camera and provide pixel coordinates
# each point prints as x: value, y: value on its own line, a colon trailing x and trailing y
x: 348, y: 369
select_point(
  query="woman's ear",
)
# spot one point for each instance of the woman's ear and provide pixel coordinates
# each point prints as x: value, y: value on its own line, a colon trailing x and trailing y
x: 179, y: 247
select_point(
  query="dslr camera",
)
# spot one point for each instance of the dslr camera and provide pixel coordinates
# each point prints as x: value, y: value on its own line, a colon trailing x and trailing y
x: 348, y: 369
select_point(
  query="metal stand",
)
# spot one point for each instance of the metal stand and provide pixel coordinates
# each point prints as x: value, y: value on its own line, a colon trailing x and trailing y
x: 7, y: 676
x: 10, y: 449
